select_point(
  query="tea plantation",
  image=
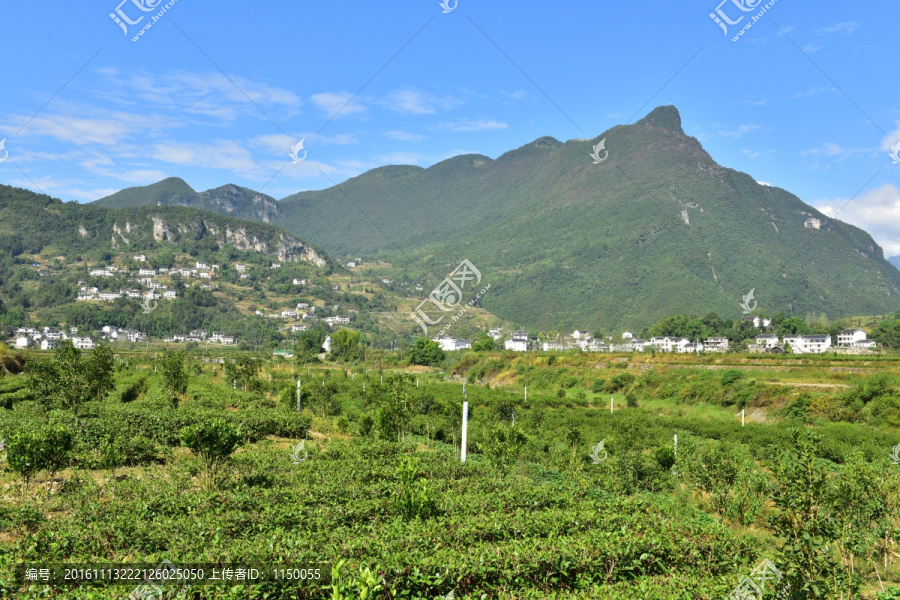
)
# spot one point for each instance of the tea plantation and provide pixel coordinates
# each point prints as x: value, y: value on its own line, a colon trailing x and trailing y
x: 174, y: 459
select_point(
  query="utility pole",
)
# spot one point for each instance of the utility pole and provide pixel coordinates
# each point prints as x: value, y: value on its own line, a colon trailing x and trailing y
x: 465, y: 427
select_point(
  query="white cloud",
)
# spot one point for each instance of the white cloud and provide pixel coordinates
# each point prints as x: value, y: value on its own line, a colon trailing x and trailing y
x: 221, y: 154
x: 209, y: 94
x: 410, y: 101
x: 741, y: 130
x: 814, y: 91
x: 403, y: 136
x: 835, y: 151
x: 846, y: 27
x: 468, y: 125
x: 809, y: 48
x: 891, y: 139
x: 876, y: 211
x: 338, y: 104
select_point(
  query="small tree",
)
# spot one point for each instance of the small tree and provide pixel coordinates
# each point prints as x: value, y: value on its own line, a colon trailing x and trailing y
x: 175, y: 376
x: 347, y: 345
x: 426, y: 352
x: 242, y: 371
x: 98, y: 370
x: 484, y: 343
x: 33, y: 450
x: 213, y: 442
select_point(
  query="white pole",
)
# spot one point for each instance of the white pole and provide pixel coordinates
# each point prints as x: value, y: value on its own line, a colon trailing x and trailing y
x: 417, y: 382
x: 298, y: 395
x: 382, y: 378
x: 234, y: 384
x: 742, y: 417
x: 611, y: 405
x: 676, y: 445
x: 526, y: 393
x: 465, y: 427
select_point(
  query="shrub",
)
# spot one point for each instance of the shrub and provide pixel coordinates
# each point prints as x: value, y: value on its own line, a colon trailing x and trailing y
x: 570, y: 382
x: 598, y: 386
x: 213, y: 442
x: 732, y: 375
x: 415, y: 497
x: 33, y: 450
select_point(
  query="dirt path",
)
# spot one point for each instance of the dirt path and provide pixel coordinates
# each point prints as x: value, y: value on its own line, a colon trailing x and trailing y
x: 819, y: 385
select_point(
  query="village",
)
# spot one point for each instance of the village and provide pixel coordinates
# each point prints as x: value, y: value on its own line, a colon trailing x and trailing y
x: 849, y: 341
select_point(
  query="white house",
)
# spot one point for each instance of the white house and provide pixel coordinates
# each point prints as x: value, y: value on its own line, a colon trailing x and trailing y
x: 170, y: 295
x: 219, y: 337
x: 518, y: 343
x: 139, y: 258
x: 351, y: 264
x: 808, y: 344
x: 639, y: 345
x: 670, y: 344
x: 848, y: 337
x: 49, y: 344
x: 689, y: 347
x: 303, y: 305
x: 147, y: 272
x: 449, y: 344
x: 201, y: 266
x: 110, y: 295
x: 766, y: 341
x: 495, y: 333
x: 757, y: 321
x: 627, y: 335
x: 716, y: 344
x: 295, y: 328
x: 299, y: 282
x: 205, y: 275
x: 83, y: 343
x: 51, y: 333
x: 275, y: 266
x: 23, y: 341
x: 290, y: 314
x: 240, y: 268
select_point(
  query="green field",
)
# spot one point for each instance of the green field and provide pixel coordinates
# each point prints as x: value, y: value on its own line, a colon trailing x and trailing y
x: 125, y: 474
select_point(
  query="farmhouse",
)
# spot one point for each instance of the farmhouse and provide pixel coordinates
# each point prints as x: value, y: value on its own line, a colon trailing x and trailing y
x: 518, y: 343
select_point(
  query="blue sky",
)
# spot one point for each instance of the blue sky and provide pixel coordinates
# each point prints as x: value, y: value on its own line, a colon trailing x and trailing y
x: 807, y: 99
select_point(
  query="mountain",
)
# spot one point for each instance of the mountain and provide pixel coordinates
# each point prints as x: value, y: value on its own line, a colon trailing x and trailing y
x: 230, y: 200
x: 656, y: 228
x: 895, y: 260
x: 38, y: 224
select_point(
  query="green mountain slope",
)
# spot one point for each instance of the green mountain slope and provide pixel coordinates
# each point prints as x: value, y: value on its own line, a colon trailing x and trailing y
x: 230, y: 200
x: 656, y: 228
x: 38, y: 224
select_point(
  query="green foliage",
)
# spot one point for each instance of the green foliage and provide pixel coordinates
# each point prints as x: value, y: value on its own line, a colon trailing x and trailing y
x: 415, y: 497
x: 69, y: 380
x: 426, y: 352
x: 213, y: 442
x: 362, y: 586
x: 803, y: 523
x: 242, y: 371
x: 45, y: 448
x: 347, y: 345
x: 732, y: 375
x: 484, y: 343
x: 309, y: 344
x: 172, y: 368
